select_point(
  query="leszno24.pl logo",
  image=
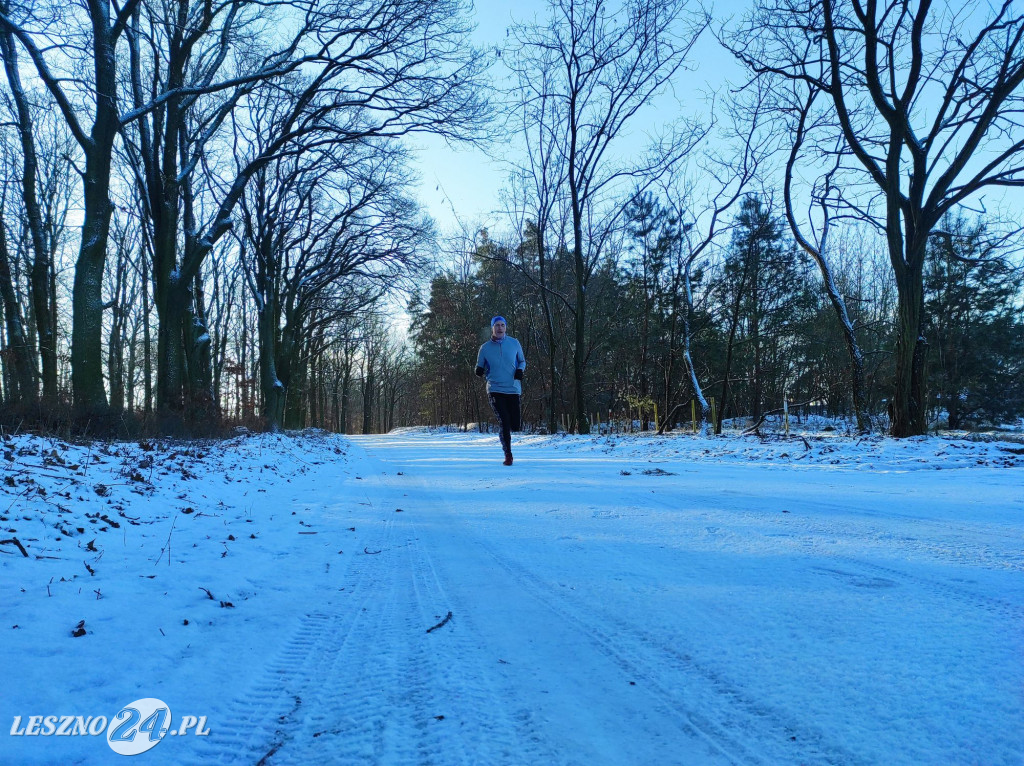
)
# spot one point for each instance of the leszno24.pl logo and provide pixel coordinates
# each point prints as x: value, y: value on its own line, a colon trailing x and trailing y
x: 137, y: 727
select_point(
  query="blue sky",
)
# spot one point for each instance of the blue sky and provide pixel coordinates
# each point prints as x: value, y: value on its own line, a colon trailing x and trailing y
x: 463, y: 185
x: 460, y: 187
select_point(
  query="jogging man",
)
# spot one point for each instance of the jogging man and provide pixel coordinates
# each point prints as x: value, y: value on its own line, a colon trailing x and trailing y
x: 501, y: 360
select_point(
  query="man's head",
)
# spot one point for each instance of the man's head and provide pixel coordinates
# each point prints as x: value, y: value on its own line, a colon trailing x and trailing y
x: 498, y: 327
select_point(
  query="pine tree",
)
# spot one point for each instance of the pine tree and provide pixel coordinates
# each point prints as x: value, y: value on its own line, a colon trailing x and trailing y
x: 972, y: 302
x: 761, y: 279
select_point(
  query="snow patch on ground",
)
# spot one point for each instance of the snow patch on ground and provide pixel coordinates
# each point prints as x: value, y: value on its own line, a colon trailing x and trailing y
x: 869, y: 453
x: 624, y: 599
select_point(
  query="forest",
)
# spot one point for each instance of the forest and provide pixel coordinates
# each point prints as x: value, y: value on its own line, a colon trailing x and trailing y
x: 210, y: 215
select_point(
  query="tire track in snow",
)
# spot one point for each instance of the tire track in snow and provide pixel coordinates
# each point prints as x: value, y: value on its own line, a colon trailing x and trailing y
x: 748, y: 720
x: 358, y: 714
x: 490, y: 736
x: 982, y: 555
x: 457, y: 683
x: 259, y: 722
x: 942, y: 590
x: 374, y: 702
x: 445, y: 670
x: 366, y: 684
x: 813, y: 529
x: 740, y: 719
x: 239, y: 737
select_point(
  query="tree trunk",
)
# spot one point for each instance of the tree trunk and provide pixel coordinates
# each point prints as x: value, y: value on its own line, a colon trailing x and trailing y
x: 670, y: 358
x: 22, y: 379
x: 39, y: 275
x: 346, y: 384
x: 201, y: 405
x: 857, y: 380
x: 87, y: 293
x: 147, y: 346
x: 293, y: 373
x: 579, y: 350
x: 115, y: 362
x: 132, y: 365
x: 314, y: 391
x: 733, y: 324
x: 698, y: 393
x: 757, y: 389
x: 368, y: 385
x: 579, y: 355
x: 580, y: 272
x: 336, y: 407
x: 273, y: 388
x: 172, y: 308
x: 549, y: 328
x: 645, y: 333
x: 907, y: 410
x: 118, y: 330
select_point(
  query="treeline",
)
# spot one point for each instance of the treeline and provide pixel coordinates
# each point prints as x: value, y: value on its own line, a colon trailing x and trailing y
x: 761, y: 330
x: 656, y: 278
x: 208, y: 213
x: 204, y: 204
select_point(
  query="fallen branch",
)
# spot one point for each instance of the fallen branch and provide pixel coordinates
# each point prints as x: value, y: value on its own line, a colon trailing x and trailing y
x: 754, y: 429
x: 16, y: 541
x: 167, y: 546
x: 40, y: 471
x: 23, y: 493
x: 667, y: 420
x: 441, y: 624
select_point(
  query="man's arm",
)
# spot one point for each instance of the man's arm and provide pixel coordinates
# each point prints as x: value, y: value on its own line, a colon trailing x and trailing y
x: 481, y: 363
x: 520, y: 362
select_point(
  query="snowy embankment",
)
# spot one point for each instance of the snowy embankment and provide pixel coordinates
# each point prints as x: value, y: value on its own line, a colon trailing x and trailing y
x: 622, y: 600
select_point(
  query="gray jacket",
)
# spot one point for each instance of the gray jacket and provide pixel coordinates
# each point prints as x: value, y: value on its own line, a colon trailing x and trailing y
x: 499, y: 361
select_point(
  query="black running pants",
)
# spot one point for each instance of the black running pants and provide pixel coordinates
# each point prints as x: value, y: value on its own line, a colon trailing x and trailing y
x: 506, y: 410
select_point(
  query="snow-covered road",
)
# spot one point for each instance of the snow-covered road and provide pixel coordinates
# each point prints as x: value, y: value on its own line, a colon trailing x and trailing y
x: 639, y: 603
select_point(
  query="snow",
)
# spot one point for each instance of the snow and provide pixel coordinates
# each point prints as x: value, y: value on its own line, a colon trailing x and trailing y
x: 628, y: 599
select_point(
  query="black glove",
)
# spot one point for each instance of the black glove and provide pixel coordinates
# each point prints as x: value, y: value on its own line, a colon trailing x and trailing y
x: 518, y: 375
x: 480, y: 372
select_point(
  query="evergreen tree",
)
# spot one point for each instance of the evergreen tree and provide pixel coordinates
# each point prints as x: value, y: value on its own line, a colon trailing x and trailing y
x: 974, y: 320
x: 761, y: 280
x: 647, y: 249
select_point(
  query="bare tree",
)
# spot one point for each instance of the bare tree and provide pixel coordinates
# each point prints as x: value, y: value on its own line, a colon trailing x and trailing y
x: 817, y: 247
x: 106, y: 22
x: 926, y: 98
x: 43, y: 311
x: 325, y: 235
x: 539, y: 210
x: 602, y: 66
x: 123, y: 290
x: 726, y: 175
x: 376, y: 71
x: 80, y: 99
x: 21, y: 380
